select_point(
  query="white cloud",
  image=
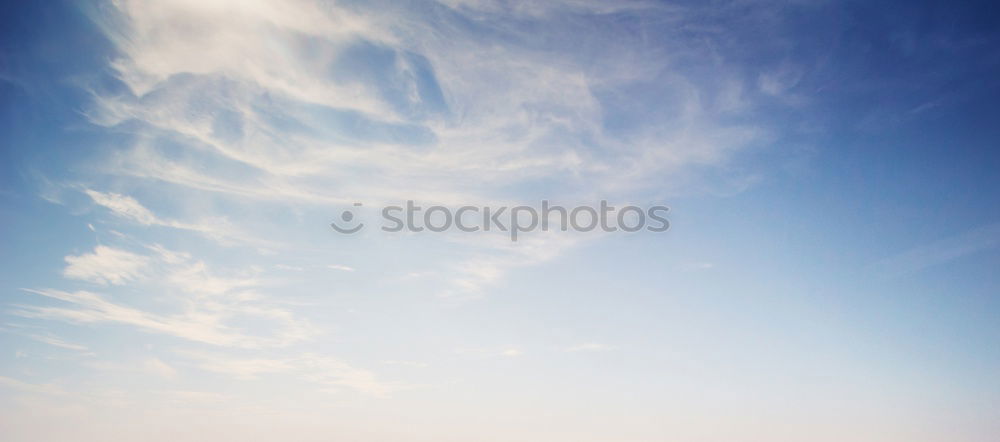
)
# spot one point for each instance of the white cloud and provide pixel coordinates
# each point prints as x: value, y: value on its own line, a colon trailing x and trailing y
x: 195, y: 278
x: 219, y: 229
x: 940, y: 251
x: 200, y: 322
x: 491, y: 257
x: 326, y: 371
x: 159, y: 368
x: 27, y: 387
x: 197, y: 303
x: 152, y: 366
x: 105, y: 265
x: 696, y: 266
x: 342, y: 268
x: 124, y: 206
x: 447, y: 103
x: 495, y: 111
x: 511, y: 352
x: 57, y: 342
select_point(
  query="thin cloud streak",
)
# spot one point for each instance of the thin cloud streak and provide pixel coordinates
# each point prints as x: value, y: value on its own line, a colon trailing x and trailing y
x: 940, y: 252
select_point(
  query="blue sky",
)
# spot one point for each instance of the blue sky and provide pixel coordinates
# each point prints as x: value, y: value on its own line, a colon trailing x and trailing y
x: 169, y: 172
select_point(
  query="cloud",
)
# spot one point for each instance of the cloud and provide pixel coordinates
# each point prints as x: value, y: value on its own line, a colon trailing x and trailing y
x: 939, y: 252
x: 511, y: 352
x: 696, y: 266
x: 397, y: 100
x: 217, y: 228
x: 57, y: 342
x: 46, y: 389
x: 124, y: 206
x: 206, y: 307
x: 200, y: 323
x: 46, y: 338
x: 326, y: 371
x: 205, y: 323
x: 197, y: 279
x: 490, y: 257
x: 342, y: 268
x: 316, y: 104
x: 150, y: 366
x: 105, y: 266
x: 159, y: 368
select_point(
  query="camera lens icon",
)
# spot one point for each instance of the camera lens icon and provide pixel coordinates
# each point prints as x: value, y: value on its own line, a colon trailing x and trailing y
x: 347, y: 216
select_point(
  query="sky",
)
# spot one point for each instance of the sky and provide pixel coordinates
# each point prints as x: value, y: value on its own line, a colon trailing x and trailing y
x: 169, y: 173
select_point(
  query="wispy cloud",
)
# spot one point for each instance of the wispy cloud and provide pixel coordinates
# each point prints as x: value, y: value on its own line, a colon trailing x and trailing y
x: 696, y: 266
x: 153, y: 366
x: 940, y: 252
x: 105, y: 265
x: 216, y: 228
x: 342, y: 268
x: 529, y: 110
x: 157, y: 367
x: 448, y: 102
x: 57, y: 342
x: 328, y: 372
x: 125, y: 207
x: 27, y: 387
x: 206, y: 306
x: 201, y: 323
x: 33, y: 332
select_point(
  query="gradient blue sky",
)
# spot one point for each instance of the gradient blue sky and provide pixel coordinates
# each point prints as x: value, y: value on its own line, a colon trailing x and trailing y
x: 169, y: 171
